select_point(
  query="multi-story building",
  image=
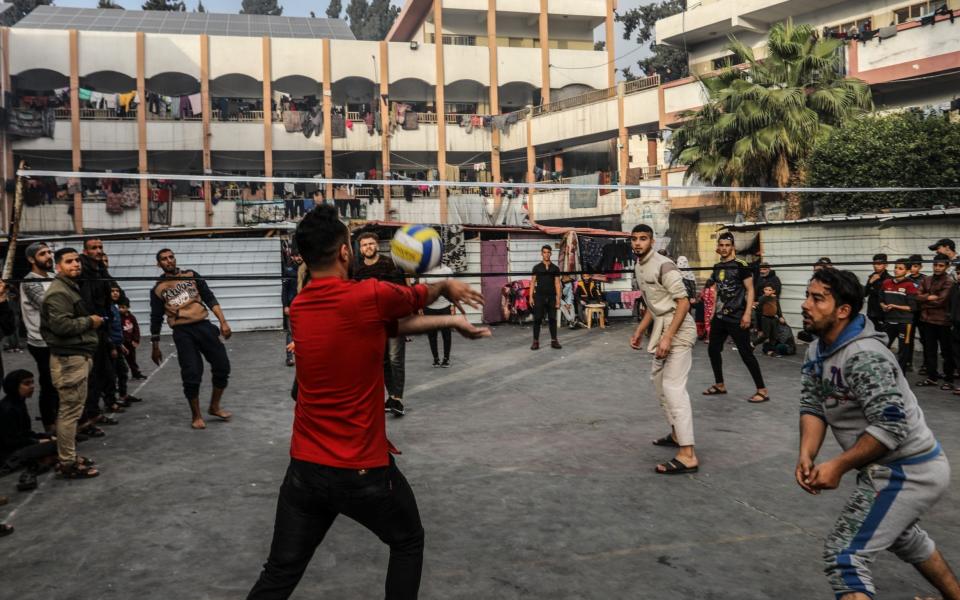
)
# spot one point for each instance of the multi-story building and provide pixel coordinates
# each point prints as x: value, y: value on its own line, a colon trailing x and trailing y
x: 230, y: 95
x: 461, y: 90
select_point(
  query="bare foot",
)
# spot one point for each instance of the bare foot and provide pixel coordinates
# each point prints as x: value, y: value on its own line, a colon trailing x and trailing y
x: 198, y: 424
x: 221, y: 414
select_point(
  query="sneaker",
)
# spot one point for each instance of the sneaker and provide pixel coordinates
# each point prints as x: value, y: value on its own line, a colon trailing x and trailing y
x: 134, y: 399
x: 139, y: 376
x: 446, y: 363
x: 395, y: 406
x: 535, y: 345
x: 436, y: 363
x: 555, y: 345
x: 28, y: 481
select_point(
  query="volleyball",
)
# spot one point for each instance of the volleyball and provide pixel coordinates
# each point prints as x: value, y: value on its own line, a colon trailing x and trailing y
x: 416, y: 248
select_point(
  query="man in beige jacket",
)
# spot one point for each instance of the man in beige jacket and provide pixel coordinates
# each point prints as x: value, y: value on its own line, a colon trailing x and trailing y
x: 672, y: 337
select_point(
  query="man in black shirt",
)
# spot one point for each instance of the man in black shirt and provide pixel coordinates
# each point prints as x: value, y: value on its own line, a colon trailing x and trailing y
x: 733, y: 279
x: 545, y: 297
x: 382, y: 268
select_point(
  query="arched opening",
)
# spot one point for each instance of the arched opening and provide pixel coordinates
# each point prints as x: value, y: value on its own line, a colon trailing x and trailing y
x: 356, y: 94
x: 173, y: 84
x: 467, y: 97
x: 419, y: 94
x: 516, y: 95
x: 40, y: 89
x: 108, y: 82
x: 298, y: 86
x: 569, y: 91
x: 236, y: 97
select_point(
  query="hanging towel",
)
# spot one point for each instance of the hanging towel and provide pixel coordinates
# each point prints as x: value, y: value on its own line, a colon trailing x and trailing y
x: 95, y: 99
x: 292, y: 121
x: 186, y: 109
x: 196, y: 104
x: 411, y: 121
x: 84, y: 94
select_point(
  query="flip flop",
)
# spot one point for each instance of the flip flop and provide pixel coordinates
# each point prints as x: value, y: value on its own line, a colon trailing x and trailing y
x: 927, y: 383
x: 714, y: 391
x: 675, y: 467
x: 223, y: 415
x: 763, y: 398
x: 666, y: 440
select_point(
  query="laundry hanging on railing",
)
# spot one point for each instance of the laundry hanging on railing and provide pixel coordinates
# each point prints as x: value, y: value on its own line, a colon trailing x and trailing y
x: 28, y: 123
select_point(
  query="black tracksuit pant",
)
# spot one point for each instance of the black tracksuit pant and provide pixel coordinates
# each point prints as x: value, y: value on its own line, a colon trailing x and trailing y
x: 719, y: 330
x: 544, y: 305
x: 49, y: 399
x: 196, y: 342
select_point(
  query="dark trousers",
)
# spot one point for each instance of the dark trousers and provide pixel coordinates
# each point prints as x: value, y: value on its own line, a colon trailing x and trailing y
x: 118, y: 385
x: 49, y: 399
x: 195, y: 342
x: 719, y: 330
x: 444, y: 333
x: 101, y: 374
x: 546, y: 305
x: 313, y: 495
x: 878, y: 322
x: 29, y: 456
x: 903, y: 334
x: 934, y: 337
x: 131, y: 358
x: 394, y: 366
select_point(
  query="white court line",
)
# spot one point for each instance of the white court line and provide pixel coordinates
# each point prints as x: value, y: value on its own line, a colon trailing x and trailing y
x: 13, y: 513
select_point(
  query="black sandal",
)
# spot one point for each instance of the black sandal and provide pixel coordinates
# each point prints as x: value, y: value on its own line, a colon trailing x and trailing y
x: 927, y: 383
x: 105, y: 420
x: 763, y: 398
x: 713, y: 390
x: 947, y: 387
x: 93, y: 431
x: 5, y: 529
x: 77, y: 471
x: 675, y: 467
x: 666, y: 440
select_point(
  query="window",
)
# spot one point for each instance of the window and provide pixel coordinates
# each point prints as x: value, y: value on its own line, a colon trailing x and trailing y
x: 844, y: 28
x: 914, y: 11
x: 455, y: 40
x: 722, y: 62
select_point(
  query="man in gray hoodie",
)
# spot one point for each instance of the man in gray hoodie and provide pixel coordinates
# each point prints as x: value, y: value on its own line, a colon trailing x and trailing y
x: 853, y: 385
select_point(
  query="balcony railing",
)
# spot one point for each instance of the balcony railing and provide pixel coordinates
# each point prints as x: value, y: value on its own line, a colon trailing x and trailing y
x: 96, y: 114
x: 638, y: 85
x: 575, y: 101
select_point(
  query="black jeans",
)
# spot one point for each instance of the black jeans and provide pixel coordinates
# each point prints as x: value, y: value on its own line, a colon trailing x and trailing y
x: 544, y: 305
x: 29, y: 456
x: 49, y: 399
x: 313, y: 495
x: 195, y: 342
x: 101, y: 374
x: 904, y: 332
x: 719, y: 330
x: 394, y: 366
x: 938, y: 336
x: 121, y: 375
x: 444, y: 333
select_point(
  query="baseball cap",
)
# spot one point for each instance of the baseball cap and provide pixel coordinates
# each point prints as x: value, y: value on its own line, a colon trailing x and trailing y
x: 943, y: 242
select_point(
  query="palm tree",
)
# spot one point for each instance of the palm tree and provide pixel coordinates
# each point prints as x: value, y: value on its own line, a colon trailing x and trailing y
x: 763, y: 116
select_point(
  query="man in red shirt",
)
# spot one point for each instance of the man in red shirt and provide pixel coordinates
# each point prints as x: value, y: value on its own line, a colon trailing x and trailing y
x: 340, y: 457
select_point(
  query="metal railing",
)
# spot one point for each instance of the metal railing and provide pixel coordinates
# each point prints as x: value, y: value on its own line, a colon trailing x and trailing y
x: 430, y: 118
x: 575, y: 101
x: 95, y: 114
x: 638, y: 85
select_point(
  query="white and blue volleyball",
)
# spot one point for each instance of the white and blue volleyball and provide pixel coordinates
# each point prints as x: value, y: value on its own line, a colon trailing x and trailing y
x: 416, y: 248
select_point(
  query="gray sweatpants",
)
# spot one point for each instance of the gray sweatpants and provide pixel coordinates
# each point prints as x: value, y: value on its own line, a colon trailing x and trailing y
x: 883, y: 514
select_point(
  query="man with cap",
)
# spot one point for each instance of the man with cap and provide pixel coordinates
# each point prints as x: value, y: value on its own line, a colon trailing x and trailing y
x: 32, y: 289
x: 948, y: 248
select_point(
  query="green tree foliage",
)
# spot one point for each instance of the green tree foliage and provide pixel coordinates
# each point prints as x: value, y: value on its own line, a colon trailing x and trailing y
x: 200, y: 8
x: 638, y: 23
x: 762, y: 118
x: 108, y: 4
x: 261, y: 7
x: 22, y: 8
x: 373, y: 20
x: 909, y: 149
x: 334, y: 9
x: 164, y: 5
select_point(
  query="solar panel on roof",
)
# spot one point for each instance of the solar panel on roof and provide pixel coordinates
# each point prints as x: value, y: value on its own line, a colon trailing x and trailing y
x: 94, y: 19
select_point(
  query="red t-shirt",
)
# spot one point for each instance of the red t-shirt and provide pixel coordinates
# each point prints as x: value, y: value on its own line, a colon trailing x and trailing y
x: 340, y: 329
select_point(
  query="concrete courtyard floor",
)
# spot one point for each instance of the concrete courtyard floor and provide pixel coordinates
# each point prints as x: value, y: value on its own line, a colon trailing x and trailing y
x: 533, y: 472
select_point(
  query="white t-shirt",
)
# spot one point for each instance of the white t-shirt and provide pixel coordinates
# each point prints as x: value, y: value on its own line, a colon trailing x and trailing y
x: 436, y: 275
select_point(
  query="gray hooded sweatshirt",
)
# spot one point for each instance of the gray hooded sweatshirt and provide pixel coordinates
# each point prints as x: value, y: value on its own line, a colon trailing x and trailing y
x: 856, y: 387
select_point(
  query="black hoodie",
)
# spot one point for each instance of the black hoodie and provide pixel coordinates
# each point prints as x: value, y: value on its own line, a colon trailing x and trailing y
x: 15, y: 430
